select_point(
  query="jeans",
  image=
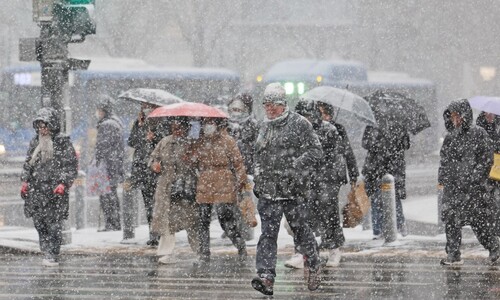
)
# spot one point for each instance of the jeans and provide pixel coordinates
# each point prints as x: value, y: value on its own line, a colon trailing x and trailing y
x: 49, y: 235
x: 271, y: 212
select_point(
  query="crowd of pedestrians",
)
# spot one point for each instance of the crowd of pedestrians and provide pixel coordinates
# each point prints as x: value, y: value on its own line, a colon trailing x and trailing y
x: 299, y: 157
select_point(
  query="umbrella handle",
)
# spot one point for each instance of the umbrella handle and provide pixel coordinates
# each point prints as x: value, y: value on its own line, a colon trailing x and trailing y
x: 341, y: 102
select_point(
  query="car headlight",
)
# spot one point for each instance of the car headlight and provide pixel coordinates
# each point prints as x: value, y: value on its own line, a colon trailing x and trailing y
x: 2, y: 149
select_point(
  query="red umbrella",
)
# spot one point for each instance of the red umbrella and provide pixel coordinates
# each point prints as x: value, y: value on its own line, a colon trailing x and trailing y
x: 187, y: 109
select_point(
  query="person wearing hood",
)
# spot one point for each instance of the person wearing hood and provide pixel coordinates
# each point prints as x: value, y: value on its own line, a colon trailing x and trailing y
x: 322, y: 204
x: 285, y: 150
x: 110, y: 151
x: 491, y: 123
x: 49, y: 170
x: 144, y: 137
x: 243, y: 127
x: 466, y: 159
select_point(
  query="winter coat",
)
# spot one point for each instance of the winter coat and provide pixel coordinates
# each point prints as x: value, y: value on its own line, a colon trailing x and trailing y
x: 493, y: 129
x: 286, y: 152
x: 44, y: 177
x: 172, y: 216
x: 245, y: 134
x: 110, y: 147
x: 386, y: 155
x: 466, y: 160
x: 348, y: 155
x: 221, y: 171
x: 331, y: 168
x: 141, y: 173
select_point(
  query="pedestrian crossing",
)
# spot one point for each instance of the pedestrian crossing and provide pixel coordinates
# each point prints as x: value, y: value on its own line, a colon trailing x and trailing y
x: 140, y: 277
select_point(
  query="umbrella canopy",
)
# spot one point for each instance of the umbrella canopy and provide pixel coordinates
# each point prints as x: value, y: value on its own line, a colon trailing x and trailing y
x: 350, y: 104
x: 486, y: 104
x: 187, y: 109
x: 152, y: 96
x: 394, y: 110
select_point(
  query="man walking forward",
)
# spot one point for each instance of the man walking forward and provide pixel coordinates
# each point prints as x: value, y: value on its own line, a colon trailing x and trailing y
x: 286, y: 148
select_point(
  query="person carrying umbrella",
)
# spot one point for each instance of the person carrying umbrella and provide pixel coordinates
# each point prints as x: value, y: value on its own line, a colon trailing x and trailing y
x: 322, y: 203
x: 466, y: 159
x: 221, y: 176
x: 143, y: 138
x: 175, y: 208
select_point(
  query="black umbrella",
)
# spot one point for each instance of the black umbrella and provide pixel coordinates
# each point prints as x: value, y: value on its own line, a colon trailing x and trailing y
x: 152, y: 96
x: 393, y: 109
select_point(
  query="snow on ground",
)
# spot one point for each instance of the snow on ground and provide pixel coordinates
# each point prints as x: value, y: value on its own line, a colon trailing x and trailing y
x: 358, y: 241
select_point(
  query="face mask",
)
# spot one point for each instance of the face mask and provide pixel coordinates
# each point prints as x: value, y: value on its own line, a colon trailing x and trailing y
x: 209, y: 129
x: 194, y: 130
x: 147, y: 111
x: 238, y: 116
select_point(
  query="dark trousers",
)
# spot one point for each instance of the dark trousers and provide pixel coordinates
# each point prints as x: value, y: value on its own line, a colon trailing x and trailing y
x: 148, y: 192
x: 332, y: 234
x: 110, y: 205
x: 49, y: 235
x: 228, y: 222
x: 271, y: 212
x: 482, y: 225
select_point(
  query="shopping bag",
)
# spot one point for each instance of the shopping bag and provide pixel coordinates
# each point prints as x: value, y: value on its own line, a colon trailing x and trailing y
x: 358, y: 205
x: 97, y: 180
x: 247, y: 206
x: 495, y: 169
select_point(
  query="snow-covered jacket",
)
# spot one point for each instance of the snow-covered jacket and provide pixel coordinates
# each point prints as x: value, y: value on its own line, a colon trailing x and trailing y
x: 466, y: 159
x: 44, y: 177
x: 221, y: 171
x: 286, y: 151
x: 110, y: 147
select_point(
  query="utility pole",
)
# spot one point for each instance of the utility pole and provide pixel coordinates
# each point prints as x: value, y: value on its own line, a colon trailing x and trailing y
x: 61, y: 22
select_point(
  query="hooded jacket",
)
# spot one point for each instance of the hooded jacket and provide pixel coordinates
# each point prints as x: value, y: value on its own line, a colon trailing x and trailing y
x: 44, y: 177
x: 466, y: 160
x: 491, y: 128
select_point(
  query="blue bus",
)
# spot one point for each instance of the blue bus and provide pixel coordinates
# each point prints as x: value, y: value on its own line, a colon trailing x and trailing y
x: 20, y: 90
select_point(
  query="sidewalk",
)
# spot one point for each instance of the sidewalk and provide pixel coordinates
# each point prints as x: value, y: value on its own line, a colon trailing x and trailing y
x: 421, y: 212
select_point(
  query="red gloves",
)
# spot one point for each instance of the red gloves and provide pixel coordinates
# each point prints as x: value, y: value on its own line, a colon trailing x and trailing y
x: 24, y: 190
x: 59, y: 190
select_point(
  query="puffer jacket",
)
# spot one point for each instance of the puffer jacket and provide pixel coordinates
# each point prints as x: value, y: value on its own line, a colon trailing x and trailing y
x: 286, y: 152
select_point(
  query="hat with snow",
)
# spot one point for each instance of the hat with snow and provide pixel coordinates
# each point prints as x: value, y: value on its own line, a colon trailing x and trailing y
x: 275, y: 93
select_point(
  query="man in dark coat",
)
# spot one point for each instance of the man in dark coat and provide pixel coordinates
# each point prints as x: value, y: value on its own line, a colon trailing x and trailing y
x: 243, y: 127
x: 49, y: 170
x: 466, y: 159
x: 144, y: 138
x: 110, y: 150
x: 286, y: 149
x: 323, y: 202
x: 386, y: 147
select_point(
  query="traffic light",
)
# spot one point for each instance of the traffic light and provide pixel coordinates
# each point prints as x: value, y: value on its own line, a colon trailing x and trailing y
x: 75, y: 17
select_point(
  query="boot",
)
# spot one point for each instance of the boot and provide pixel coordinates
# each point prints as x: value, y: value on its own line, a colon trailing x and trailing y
x: 264, y: 283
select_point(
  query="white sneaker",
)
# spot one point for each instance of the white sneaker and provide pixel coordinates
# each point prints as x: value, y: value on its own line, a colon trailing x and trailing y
x: 166, y: 260
x: 334, y: 258
x: 295, y: 262
x: 50, y: 262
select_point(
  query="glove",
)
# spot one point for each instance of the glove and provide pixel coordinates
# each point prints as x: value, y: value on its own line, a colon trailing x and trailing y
x: 59, y: 190
x: 24, y: 190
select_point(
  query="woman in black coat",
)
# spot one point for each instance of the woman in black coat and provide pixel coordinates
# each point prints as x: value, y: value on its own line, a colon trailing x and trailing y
x: 49, y: 171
